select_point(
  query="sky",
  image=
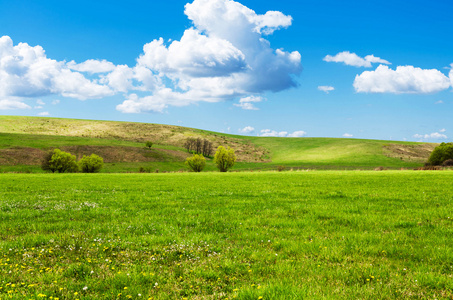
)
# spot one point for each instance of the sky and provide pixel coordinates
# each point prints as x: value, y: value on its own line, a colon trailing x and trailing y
x: 353, y: 69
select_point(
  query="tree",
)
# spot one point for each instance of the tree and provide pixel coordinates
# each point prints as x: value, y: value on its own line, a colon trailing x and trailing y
x: 198, y: 146
x: 224, y: 158
x: 196, y: 163
x: 440, y: 154
x: 91, y: 164
x: 149, y: 144
x: 59, y: 161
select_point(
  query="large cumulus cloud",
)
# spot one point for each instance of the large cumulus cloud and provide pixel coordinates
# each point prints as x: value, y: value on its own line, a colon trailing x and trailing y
x: 404, y: 79
x: 224, y: 55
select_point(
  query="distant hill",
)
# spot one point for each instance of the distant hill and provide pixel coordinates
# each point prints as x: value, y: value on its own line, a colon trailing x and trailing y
x: 24, y: 140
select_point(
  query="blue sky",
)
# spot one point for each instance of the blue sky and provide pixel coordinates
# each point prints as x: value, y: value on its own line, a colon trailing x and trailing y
x: 373, y: 69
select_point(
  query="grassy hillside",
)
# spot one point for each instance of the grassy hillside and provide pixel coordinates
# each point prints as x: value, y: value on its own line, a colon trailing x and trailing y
x: 290, y: 235
x: 24, y: 140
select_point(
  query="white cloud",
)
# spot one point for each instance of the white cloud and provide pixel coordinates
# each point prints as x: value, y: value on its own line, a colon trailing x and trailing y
x: 247, y: 102
x: 196, y: 55
x: 44, y: 113
x: 347, y: 135
x: 92, y: 66
x: 443, y: 130
x: 326, y: 88
x: 273, y: 133
x: 352, y: 59
x: 135, y: 104
x: 224, y: 55
x: 439, y: 102
x: 55, y: 102
x: 405, y: 79
x: 26, y: 72
x: 247, y: 129
x: 7, y: 104
x: 297, y: 134
x: 40, y: 104
x: 434, y: 135
x: 217, y: 15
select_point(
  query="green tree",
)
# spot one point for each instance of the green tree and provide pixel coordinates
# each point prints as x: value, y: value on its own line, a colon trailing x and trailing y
x: 91, y: 164
x: 224, y: 158
x: 59, y: 161
x: 440, y: 154
x: 196, y: 163
x: 149, y: 144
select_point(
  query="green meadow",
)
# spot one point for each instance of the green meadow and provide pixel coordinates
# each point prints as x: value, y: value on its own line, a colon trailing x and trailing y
x: 25, y: 140
x: 247, y: 235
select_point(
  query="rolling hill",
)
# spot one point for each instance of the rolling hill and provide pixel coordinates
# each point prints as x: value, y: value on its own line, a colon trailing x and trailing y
x: 24, y: 141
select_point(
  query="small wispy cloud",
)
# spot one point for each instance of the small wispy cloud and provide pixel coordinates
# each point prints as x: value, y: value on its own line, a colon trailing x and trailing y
x: 247, y: 103
x: 434, y: 135
x: 352, y: 59
x: 439, y: 102
x: 347, y: 135
x: 326, y: 88
x: 274, y: 133
x: 247, y: 129
x: 44, y: 114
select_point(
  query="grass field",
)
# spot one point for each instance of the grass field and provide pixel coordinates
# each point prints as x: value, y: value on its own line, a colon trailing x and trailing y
x: 268, y: 235
x: 24, y: 141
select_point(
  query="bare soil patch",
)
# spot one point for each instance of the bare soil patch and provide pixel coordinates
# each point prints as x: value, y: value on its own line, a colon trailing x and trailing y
x: 21, y: 156
x: 414, y: 153
x: 110, y: 154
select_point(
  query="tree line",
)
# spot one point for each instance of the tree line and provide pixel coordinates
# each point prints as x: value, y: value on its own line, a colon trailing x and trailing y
x: 199, y: 146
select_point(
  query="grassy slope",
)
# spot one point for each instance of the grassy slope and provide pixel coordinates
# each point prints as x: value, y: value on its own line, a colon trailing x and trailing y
x: 332, y: 152
x: 254, y: 152
x: 292, y: 235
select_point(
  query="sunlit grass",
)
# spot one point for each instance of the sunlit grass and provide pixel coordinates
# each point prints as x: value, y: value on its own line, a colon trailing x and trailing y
x: 290, y: 235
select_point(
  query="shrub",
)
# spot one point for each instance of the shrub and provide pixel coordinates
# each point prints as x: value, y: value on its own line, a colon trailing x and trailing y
x: 196, y: 163
x: 281, y: 168
x: 59, y: 161
x: 91, y: 164
x: 149, y: 144
x: 224, y: 158
x: 440, y: 154
x: 448, y: 163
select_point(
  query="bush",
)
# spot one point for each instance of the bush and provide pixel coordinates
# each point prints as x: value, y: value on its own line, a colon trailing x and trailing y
x: 440, y: 154
x: 59, y: 161
x: 281, y: 168
x: 196, y: 163
x: 224, y: 158
x: 144, y: 170
x: 149, y: 144
x: 448, y: 163
x: 91, y: 164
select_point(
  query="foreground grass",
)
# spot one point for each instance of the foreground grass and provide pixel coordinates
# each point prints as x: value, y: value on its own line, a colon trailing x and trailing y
x: 290, y: 235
